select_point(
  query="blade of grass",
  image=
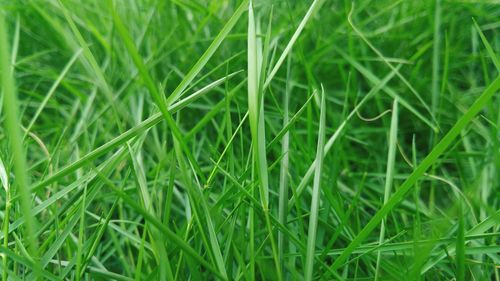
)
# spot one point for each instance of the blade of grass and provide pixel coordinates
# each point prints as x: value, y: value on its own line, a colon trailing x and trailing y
x: 12, y: 128
x: 254, y: 110
x: 257, y: 126
x: 52, y: 91
x: 487, y: 45
x: 202, y: 61
x: 313, y: 9
x: 460, y: 245
x: 315, y: 201
x: 283, y: 185
x: 389, y: 174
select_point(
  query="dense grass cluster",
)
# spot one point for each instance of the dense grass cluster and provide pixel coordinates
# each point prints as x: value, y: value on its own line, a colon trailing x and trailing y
x: 249, y: 140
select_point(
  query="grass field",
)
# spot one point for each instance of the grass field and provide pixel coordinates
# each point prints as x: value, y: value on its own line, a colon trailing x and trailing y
x: 250, y: 140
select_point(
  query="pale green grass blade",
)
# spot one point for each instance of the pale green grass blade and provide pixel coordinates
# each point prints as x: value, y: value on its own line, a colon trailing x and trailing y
x: 389, y: 174
x: 316, y: 200
x: 257, y: 126
x: 255, y: 111
x: 284, y: 171
x: 4, y: 178
x: 12, y: 127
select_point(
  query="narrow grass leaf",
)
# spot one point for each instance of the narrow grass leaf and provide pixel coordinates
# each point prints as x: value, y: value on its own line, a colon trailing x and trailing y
x: 389, y: 174
x: 12, y: 128
x: 315, y: 200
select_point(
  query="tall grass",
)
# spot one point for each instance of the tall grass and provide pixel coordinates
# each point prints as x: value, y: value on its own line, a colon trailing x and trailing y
x: 249, y: 140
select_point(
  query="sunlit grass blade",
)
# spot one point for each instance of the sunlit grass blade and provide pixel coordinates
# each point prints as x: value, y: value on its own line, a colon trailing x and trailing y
x: 488, y: 46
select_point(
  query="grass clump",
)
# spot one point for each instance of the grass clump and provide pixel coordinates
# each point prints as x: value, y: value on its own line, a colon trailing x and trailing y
x: 249, y: 140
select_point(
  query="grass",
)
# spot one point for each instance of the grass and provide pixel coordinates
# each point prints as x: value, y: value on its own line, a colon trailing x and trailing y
x: 389, y: 174
x: 249, y: 140
x: 315, y: 200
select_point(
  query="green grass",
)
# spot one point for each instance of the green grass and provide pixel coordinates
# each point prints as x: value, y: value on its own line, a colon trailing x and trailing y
x: 249, y: 140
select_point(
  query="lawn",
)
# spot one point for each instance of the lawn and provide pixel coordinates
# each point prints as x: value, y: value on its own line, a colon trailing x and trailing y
x: 250, y: 140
